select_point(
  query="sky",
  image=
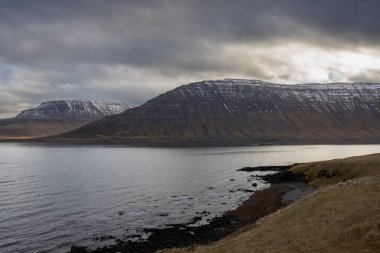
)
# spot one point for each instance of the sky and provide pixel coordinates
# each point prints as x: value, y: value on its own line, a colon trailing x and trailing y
x: 133, y: 50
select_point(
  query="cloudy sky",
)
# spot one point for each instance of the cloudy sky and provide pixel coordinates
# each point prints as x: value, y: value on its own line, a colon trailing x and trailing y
x: 133, y: 50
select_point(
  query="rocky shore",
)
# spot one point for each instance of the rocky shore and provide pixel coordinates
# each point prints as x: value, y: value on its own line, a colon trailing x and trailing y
x: 285, y: 189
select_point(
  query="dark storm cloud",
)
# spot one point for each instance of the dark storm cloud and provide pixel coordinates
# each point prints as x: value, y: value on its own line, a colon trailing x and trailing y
x: 145, y: 33
x: 350, y: 21
x: 115, y: 48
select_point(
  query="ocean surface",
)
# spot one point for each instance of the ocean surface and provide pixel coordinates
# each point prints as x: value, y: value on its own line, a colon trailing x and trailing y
x: 52, y: 197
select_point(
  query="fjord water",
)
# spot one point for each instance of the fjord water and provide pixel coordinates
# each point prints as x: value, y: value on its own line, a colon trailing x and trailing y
x: 53, y: 197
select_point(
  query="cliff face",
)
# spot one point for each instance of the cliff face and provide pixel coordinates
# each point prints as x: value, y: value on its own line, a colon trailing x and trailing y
x: 249, y: 110
x: 55, y: 117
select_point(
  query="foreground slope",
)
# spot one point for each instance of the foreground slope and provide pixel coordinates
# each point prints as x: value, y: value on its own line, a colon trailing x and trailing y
x: 54, y: 117
x: 338, y: 217
x: 247, y: 111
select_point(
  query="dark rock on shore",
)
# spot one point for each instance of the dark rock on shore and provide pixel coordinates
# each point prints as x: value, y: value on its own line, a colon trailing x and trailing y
x: 267, y: 168
x: 260, y: 204
x: 178, y: 235
x: 104, y: 238
x: 283, y: 177
x: 244, y: 190
x: 195, y: 220
x: 78, y: 249
x: 286, y: 188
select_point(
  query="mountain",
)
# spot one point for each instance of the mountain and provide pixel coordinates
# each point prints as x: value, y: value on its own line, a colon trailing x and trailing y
x: 55, y: 117
x: 246, y: 111
x: 75, y: 110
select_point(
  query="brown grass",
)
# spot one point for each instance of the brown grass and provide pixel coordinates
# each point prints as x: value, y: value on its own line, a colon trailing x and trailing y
x: 343, y: 217
x: 331, y: 172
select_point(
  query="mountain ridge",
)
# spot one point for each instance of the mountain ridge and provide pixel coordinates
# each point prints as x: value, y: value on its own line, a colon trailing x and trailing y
x: 247, y: 111
x: 57, y: 116
x: 76, y: 109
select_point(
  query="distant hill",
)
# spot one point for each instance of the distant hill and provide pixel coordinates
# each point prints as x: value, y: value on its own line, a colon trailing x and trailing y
x: 55, y: 117
x: 246, y: 111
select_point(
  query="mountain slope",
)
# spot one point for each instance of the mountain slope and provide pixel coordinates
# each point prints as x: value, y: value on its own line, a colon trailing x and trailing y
x: 78, y: 110
x: 54, y: 117
x: 249, y: 111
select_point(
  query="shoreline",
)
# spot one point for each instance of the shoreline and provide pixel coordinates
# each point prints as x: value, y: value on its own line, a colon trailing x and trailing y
x: 341, y: 215
x: 283, y: 191
x: 196, y: 142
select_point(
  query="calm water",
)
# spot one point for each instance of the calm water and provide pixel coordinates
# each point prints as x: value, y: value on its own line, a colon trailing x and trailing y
x: 54, y: 197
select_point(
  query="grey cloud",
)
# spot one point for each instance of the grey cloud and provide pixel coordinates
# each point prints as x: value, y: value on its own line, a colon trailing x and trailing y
x: 368, y: 75
x: 52, y: 48
x: 141, y: 34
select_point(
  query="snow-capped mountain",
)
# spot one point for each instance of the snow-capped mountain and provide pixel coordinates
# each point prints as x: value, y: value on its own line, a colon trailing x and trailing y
x: 250, y: 110
x: 74, y: 110
x: 59, y: 116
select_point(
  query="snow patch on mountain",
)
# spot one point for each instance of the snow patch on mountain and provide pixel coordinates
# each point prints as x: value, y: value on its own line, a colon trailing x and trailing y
x: 74, y: 110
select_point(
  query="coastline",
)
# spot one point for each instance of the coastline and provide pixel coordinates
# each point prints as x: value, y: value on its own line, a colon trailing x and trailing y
x: 283, y: 191
x: 340, y: 216
x: 49, y: 141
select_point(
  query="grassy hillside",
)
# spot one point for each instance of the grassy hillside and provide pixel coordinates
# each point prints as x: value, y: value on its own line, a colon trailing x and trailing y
x: 343, y: 215
x: 14, y: 129
x: 334, y: 171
